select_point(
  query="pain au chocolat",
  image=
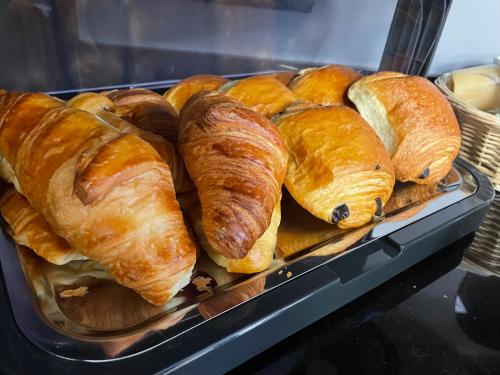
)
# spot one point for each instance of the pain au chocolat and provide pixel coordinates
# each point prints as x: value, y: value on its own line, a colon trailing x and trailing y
x: 415, y: 122
x: 338, y: 169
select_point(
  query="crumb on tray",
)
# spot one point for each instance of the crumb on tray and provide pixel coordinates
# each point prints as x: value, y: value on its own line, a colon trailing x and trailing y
x: 288, y: 274
x: 202, y: 283
x: 77, y: 292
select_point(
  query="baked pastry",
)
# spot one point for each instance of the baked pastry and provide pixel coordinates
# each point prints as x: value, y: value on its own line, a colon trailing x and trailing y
x: 147, y: 110
x: 260, y: 255
x: 326, y: 85
x: 180, y: 93
x: 300, y: 230
x: 237, y: 161
x: 415, y: 122
x: 284, y: 77
x: 106, y: 193
x: 103, y: 107
x: 30, y: 229
x: 338, y: 169
x: 263, y: 94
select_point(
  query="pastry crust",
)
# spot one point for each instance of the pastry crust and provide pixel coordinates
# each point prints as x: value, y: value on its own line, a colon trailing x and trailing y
x: 326, y: 85
x: 103, y: 107
x: 415, y: 121
x: 30, y: 229
x: 260, y: 255
x: 180, y: 93
x: 147, y: 110
x: 133, y: 227
x: 338, y: 169
x: 284, y: 77
x: 236, y: 159
x: 263, y: 94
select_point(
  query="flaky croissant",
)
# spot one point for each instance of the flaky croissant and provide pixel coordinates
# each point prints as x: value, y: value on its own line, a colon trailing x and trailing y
x: 237, y: 161
x: 338, y: 169
x: 103, y: 107
x: 30, y: 229
x: 103, y: 191
x: 257, y: 259
x: 147, y: 110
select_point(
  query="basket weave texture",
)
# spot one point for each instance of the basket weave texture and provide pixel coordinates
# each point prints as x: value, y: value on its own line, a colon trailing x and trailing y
x: 480, y: 133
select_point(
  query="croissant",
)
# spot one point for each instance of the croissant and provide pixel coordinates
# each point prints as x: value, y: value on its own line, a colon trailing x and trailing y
x: 180, y: 93
x: 30, y: 229
x: 103, y: 107
x: 326, y: 85
x: 415, y: 122
x: 106, y: 193
x: 237, y: 161
x: 338, y: 168
x: 260, y: 255
x: 147, y: 110
x: 263, y: 94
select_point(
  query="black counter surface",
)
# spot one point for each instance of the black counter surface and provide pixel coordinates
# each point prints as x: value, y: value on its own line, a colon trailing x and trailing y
x: 439, y: 317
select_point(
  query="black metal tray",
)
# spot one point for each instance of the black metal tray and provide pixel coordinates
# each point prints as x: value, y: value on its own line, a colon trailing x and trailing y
x: 216, y: 331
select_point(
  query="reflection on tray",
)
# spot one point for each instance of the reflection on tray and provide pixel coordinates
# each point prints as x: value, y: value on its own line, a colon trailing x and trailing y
x: 81, y: 300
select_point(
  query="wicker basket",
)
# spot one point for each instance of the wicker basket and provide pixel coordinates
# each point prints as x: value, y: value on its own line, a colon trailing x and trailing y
x: 485, y: 249
x: 480, y: 133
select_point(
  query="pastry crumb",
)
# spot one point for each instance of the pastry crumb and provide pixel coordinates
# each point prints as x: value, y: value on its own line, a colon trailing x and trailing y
x: 288, y: 274
x: 280, y: 272
x: 77, y: 292
x: 202, y: 283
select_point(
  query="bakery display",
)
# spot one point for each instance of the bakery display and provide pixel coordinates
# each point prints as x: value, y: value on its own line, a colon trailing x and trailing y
x: 106, y: 193
x: 239, y: 177
x: 338, y: 169
x: 180, y: 93
x: 326, y: 85
x: 415, y: 122
x: 264, y: 94
x: 133, y: 181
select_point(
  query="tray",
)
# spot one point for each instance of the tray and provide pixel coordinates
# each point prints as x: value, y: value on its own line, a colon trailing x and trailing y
x: 320, y: 266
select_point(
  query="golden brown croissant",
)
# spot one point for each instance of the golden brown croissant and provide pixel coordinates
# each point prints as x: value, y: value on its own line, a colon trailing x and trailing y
x: 237, y: 161
x: 30, y: 229
x: 105, y: 192
x: 338, y: 169
x: 103, y: 107
x: 147, y: 110
x: 260, y: 255
x: 326, y: 85
x: 180, y: 93
x: 415, y: 122
x: 263, y: 94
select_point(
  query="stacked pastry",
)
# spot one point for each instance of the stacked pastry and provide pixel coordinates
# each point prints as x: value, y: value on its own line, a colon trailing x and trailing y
x: 104, y: 176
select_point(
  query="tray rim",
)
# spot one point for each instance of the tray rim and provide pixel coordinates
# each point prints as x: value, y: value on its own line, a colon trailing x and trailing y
x: 43, y: 334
